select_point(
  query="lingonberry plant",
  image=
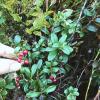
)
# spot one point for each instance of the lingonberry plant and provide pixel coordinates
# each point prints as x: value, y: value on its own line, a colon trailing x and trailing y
x: 49, y: 40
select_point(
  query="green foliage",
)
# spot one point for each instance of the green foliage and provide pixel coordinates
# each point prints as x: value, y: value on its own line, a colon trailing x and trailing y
x: 50, y: 35
x: 71, y: 93
x: 5, y: 86
x: 50, y: 89
x: 32, y: 94
x: 17, y: 39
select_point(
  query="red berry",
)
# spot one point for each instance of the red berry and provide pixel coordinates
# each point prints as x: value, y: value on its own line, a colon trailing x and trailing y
x: 20, y: 57
x: 25, y: 52
x: 17, y: 83
x: 54, y: 80
x: 19, y: 60
x: 18, y: 87
x: 51, y: 78
x: 17, y: 78
x: 26, y: 62
x: 21, y: 54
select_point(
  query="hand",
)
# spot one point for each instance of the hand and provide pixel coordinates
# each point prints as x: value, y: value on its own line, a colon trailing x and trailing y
x: 8, y: 65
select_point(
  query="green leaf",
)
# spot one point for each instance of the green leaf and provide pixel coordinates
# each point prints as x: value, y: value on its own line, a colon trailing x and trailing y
x: 54, y: 63
x: 45, y: 30
x: 96, y: 64
x: 66, y: 91
x: 39, y: 64
x: 54, y: 38
x: 56, y: 30
x: 55, y: 69
x: 38, y: 2
x: 62, y: 70
x: 26, y: 88
x: 1, y: 98
x: 68, y: 13
x: 29, y: 30
x: 2, y: 82
x: 33, y: 69
x: 63, y: 38
x: 46, y: 70
x: 16, y: 17
x: 97, y: 20
x: 2, y: 20
x: 49, y: 49
x: 67, y: 49
x: 4, y: 93
x: 26, y: 71
x: 56, y: 45
x: 48, y: 64
x: 50, y: 89
x: 52, y: 55
x: 32, y: 94
x: 71, y: 97
x: 65, y: 58
x: 10, y: 86
x: 75, y: 93
x: 38, y: 33
x: 17, y: 39
x: 41, y: 40
x: 91, y: 28
x: 17, y: 49
x: 35, y: 54
x: 70, y: 88
x: 87, y: 12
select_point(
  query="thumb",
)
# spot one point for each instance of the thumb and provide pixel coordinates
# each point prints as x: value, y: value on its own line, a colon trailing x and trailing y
x: 8, y: 65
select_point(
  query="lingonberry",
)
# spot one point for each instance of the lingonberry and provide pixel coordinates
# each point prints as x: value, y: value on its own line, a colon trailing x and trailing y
x: 26, y: 62
x: 21, y: 54
x: 25, y: 52
x: 17, y: 78
x: 20, y: 57
x: 55, y: 80
x: 19, y: 60
x: 51, y: 78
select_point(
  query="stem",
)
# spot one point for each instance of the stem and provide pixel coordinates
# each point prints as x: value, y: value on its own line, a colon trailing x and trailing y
x: 79, y: 18
x: 90, y: 80
x: 81, y: 11
x: 97, y: 54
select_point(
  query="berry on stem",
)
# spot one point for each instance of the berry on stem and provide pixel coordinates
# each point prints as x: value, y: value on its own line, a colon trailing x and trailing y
x: 17, y: 78
x: 55, y: 80
x: 51, y: 78
x: 19, y: 60
x: 25, y: 52
x: 20, y: 57
x: 26, y: 62
x: 21, y: 54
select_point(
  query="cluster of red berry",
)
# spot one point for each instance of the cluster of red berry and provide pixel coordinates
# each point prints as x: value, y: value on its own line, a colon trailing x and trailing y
x: 21, y: 55
x: 17, y: 82
x: 53, y: 79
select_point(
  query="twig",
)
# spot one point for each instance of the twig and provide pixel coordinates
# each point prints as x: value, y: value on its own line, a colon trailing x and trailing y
x: 83, y: 72
x: 46, y: 2
x: 81, y: 12
x: 97, y: 95
x: 79, y: 18
x: 90, y: 80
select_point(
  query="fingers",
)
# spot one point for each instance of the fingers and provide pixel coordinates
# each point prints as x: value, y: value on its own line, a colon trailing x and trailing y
x: 7, y: 65
x: 6, y: 51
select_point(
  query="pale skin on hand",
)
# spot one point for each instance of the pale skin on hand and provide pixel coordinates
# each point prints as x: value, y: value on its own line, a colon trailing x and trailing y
x: 8, y: 65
